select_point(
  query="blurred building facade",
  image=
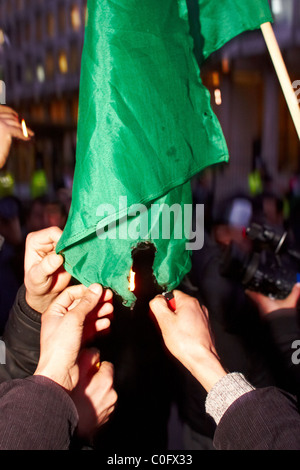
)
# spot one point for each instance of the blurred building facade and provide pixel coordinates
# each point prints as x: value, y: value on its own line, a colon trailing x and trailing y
x: 249, y: 102
x: 40, y: 54
x: 40, y: 51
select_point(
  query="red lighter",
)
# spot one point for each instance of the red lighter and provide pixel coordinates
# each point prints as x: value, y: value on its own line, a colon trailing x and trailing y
x: 169, y: 296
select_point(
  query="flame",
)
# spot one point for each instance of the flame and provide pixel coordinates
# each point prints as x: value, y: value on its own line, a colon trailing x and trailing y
x: 25, y: 133
x: 131, y: 281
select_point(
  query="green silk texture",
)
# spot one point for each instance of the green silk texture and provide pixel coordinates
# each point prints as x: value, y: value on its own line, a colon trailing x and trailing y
x: 145, y: 128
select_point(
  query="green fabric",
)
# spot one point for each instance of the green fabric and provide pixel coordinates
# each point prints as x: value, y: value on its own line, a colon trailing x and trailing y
x: 145, y: 128
x: 220, y: 21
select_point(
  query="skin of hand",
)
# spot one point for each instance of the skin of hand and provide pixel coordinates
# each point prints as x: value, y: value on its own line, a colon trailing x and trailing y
x: 187, y: 336
x: 267, y: 305
x: 44, y: 275
x: 10, y: 127
x: 65, y: 330
x: 94, y: 396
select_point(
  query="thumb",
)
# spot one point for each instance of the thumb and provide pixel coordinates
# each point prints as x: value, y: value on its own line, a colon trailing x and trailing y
x: 159, y: 307
x: 49, y: 265
x: 294, y: 295
x: 87, y: 303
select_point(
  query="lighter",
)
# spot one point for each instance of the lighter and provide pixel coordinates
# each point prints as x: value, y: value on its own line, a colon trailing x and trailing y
x: 169, y: 296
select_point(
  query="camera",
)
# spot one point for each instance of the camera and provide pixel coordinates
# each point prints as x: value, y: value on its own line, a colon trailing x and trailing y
x: 271, y: 267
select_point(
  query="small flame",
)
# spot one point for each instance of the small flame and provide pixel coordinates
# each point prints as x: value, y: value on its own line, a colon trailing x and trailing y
x: 25, y: 133
x: 131, y: 281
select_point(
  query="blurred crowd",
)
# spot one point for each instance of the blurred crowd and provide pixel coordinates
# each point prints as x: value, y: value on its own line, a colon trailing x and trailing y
x: 17, y: 220
x: 216, y: 316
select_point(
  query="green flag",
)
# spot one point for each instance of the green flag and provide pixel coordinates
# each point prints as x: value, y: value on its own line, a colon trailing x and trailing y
x: 145, y: 129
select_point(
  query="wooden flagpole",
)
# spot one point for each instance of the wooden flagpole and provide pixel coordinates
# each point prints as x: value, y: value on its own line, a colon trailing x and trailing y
x: 282, y: 74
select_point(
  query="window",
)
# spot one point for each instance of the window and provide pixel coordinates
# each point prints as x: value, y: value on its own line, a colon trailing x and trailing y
x: 63, y: 62
x: 282, y: 10
x: 75, y: 17
x: 28, y: 75
x: 27, y: 31
x: 74, y: 58
x: 38, y: 27
x: 40, y: 72
x: 50, y: 64
x: 61, y: 18
x: 50, y: 24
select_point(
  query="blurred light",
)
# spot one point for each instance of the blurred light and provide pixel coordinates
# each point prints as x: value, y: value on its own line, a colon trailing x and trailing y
x: 225, y: 65
x: 63, y: 63
x: 216, y: 79
x: 75, y: 18
x: 277, y: 7
x: 218, y: 97
x: 2, y: 37
x: 40, y: 73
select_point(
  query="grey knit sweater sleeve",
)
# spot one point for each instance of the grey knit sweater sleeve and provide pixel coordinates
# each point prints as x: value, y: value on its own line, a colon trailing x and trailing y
x: 224, y: 393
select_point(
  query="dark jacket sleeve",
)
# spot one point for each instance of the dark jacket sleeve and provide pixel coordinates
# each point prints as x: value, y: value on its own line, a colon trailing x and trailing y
x: 36, y: 414
x: 283, y: 328
x: 263, y: 419
x: 21, y: 340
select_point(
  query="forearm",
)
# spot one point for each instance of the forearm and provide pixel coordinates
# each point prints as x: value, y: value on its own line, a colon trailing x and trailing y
x: 36, y: 414
x: 204, y: 365
x: 21, y: 339
x: 253, y: 419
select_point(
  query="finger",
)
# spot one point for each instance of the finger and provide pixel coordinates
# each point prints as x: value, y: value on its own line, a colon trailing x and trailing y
x: 42, y: 242
x: 97, y: 320
x: 107, y: 295
x: 102, y: 324
x: 16, y: 131
x: 46, y: 237
x: 105, y: 309
x: 181, y: 298
x: 295, y: 293
x: 159, y: 306
x: 107, y: 369
x: 89, y: 359
x: 65, y: 300
x: 4, y: 117
x: 6, y: 109
x: 88, y: 302
x: 91, y: 329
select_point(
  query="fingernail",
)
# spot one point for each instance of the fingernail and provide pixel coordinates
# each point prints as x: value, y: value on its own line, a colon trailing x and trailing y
x: 96, y: 288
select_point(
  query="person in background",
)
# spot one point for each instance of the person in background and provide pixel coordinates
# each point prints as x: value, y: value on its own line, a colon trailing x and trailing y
x: 11, y: 255
x: 246, y: 418
x: 10, y: 229
x: 281, y: 321
x: 10, y: 128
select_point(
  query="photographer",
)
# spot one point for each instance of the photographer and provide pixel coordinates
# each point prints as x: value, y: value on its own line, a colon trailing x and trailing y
x: 281, y: 319
x: 269, y: 273
x: 246, y: 418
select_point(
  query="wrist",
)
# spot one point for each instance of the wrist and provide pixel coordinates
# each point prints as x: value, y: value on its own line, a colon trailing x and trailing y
x: 38, y: 303
x: 55, y: 376
x: 206, y: 367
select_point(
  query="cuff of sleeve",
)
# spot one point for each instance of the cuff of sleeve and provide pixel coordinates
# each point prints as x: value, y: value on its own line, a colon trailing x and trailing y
x: 224, y: 393
x: 60, y: 393
x: 25, y: 308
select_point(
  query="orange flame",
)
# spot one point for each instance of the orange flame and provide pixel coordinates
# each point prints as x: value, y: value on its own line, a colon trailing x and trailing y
x: 24, y: 128
x: 131, y: 281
